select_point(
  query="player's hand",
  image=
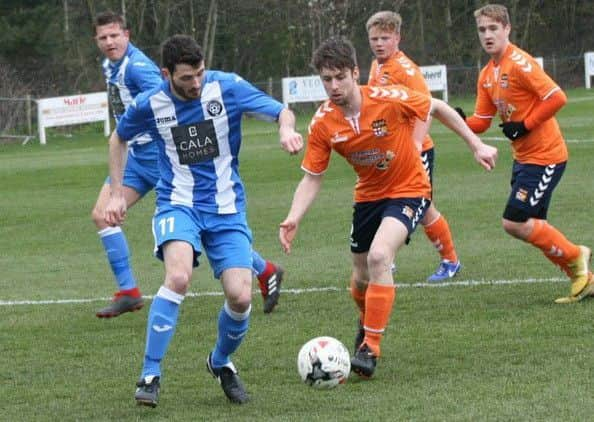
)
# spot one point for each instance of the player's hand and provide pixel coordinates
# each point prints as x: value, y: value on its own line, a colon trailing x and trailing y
x: 115, y: 211
x: 514, y: 130
x: 486, y: 156
x: 460, y: 112
x: 291, y: 141
x: 286, y: 234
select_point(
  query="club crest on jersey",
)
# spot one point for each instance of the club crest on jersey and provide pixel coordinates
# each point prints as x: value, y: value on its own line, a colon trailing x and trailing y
x: 522, y: 195
x: 408, y: 211
x: 214, y: 108
x: 504, y: 81
x: 380, y: 128
x: 385, y: 163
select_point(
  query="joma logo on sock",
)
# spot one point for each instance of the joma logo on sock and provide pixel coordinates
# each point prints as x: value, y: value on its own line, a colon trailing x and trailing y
x: 162, y: 328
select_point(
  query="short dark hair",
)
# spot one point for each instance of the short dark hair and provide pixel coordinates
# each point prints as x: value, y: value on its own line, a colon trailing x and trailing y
x: 109, y: 17
x: 334, y: 53
x: 179, y: 49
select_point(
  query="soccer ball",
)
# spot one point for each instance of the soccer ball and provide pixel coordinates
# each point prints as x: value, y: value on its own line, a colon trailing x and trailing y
x: 324, y: 362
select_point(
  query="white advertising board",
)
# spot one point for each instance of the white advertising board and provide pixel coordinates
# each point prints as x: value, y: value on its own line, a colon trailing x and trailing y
x: 304, y: 89
x: 588, y: 67
x: 71, y: 110
x: 437, y: 78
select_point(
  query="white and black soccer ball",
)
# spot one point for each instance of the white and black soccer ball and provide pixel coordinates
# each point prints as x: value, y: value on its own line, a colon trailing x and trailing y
x: 324, y: 362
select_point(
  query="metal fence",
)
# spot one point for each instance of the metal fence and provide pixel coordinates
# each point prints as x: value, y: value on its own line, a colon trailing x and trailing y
x: 18, y: 116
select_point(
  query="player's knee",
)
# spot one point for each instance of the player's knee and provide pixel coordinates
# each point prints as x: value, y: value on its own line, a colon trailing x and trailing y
x: 178, y: 281
x: 98, y: 217
x: 377, y: 259
x: 515, y: 228
x: 240, y: 300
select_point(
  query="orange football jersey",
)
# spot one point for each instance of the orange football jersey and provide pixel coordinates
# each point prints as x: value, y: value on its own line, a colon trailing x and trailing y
x: 512, y: 89
x: 400, y: 70
x: 378, y: 143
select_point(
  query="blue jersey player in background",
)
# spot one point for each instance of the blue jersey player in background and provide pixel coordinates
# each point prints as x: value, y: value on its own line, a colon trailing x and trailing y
x: 195, y: 115
x: 128, y: 72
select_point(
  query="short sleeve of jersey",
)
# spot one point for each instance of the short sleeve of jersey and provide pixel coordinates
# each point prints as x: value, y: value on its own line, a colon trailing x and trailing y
x: 136, y: 119
x: 144, y: 74
x: 318, y: 149
x: 253, y: 100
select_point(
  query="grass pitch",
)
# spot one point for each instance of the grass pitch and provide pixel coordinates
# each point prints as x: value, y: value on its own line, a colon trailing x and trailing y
x: 489, y: 346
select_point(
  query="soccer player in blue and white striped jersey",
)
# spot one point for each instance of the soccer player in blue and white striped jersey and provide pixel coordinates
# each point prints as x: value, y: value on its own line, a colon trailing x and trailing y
x: 195, y: 116
x: 128, y: 72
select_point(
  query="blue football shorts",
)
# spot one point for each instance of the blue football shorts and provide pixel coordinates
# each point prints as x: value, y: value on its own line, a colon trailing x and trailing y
x: 367, y: 217
x: 140, y: 175
x: 532, y: 187
x: 226, y: 238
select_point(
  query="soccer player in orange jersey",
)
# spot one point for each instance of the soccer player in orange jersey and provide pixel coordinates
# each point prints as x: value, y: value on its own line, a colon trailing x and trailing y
x: 373, y: 129
x: 513, y: 86
x: 391, y: 66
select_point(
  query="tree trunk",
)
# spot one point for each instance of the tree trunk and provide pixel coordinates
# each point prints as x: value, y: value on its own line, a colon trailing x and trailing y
x: 213, y: 32
x: 66, y: 23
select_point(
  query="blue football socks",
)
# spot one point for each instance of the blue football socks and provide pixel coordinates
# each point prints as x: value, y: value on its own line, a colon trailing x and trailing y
x: 233, y: 327
x: 259, y: 263
x: 116, y: 248
x: 162, y: 320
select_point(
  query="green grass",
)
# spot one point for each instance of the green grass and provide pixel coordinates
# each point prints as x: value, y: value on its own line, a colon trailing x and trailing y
x: 463, y: 352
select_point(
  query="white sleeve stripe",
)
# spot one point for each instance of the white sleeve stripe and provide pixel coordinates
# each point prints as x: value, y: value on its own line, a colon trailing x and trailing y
x: 482, y: 116
x: 313, y: 173
x: 551, y: 92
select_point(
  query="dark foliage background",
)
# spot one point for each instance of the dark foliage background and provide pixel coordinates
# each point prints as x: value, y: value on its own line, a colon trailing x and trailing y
x: 47, y: 47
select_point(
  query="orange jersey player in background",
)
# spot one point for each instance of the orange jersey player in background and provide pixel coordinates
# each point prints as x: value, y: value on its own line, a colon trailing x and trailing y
x: 513, y: 86
x: 375, y: 130
x: 391, y: 66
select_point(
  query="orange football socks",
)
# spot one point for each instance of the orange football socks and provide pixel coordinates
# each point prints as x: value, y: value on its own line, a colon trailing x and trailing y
x: 359, y: 298
x: 438, y: 232
x: 553, y: 244
x: 378, y: 307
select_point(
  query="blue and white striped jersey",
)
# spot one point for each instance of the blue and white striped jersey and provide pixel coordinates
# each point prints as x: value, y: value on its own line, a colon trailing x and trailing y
x: 126, y: 78
x: 199, y: 140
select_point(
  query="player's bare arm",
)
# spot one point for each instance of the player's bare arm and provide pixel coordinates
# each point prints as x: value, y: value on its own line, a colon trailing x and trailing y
x: 115, y: 211
x: 291, y: 141
x: 485, y: 155
x: 304, y: 196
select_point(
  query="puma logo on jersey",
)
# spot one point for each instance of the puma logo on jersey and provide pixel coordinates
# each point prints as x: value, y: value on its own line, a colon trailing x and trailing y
x: 522, y: 61
x: 337, y: 138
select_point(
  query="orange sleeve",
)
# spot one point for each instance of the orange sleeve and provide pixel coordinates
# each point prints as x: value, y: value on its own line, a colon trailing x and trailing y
x: 484, y: 109
x: 317, y: 151
x: 546, y: 109
x: 477, y: 124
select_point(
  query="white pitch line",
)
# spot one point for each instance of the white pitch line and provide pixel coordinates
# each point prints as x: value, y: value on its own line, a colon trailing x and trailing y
x: 569, y: 141
x: 461, y: 283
